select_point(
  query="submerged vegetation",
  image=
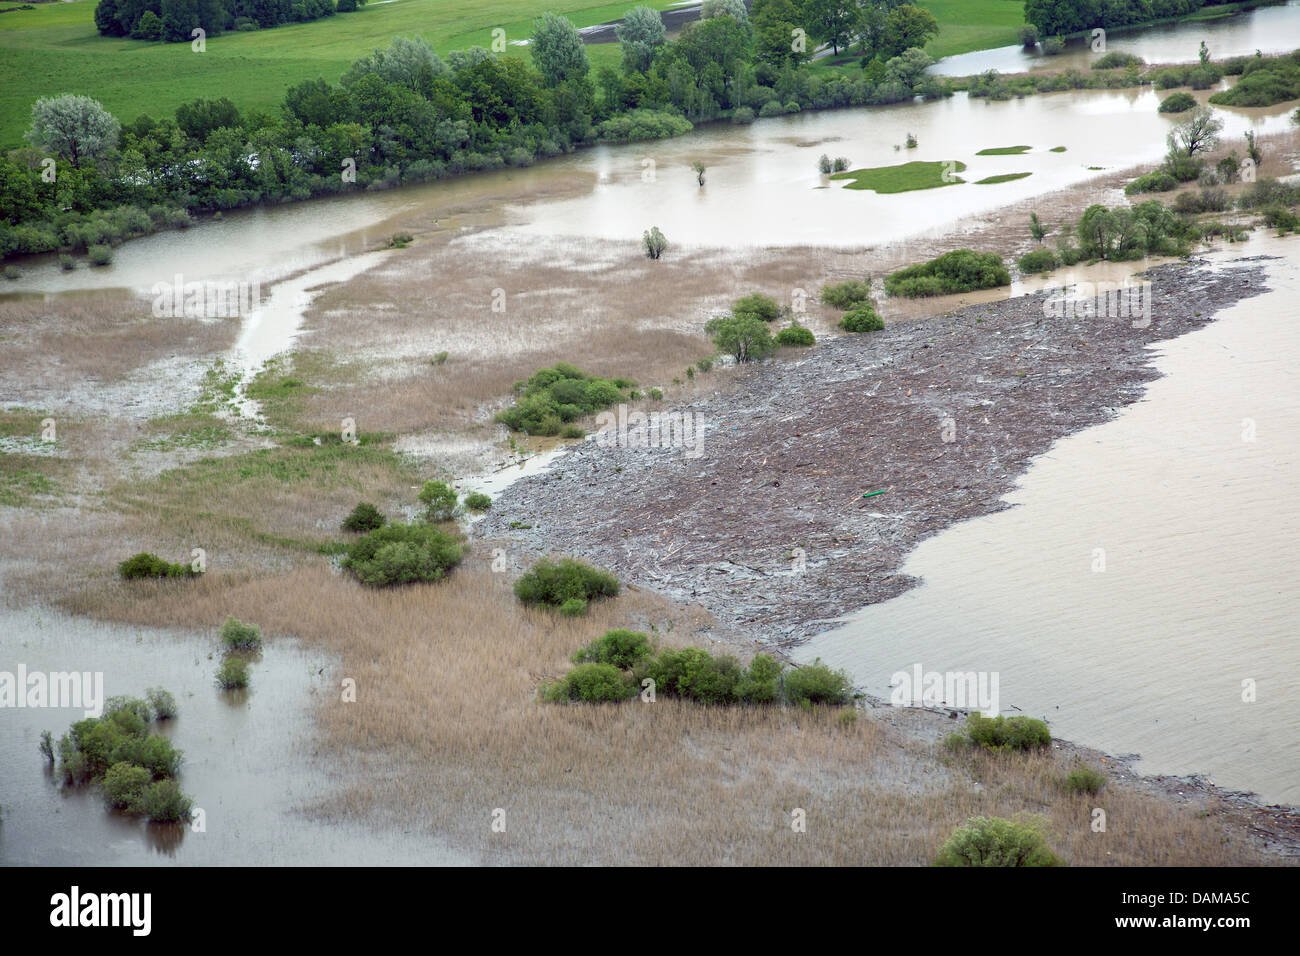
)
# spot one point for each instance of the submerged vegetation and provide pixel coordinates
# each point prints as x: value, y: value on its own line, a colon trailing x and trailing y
x: 133, y: 767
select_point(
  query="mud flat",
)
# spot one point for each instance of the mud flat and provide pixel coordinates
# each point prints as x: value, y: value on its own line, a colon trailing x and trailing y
x: 786, y: 457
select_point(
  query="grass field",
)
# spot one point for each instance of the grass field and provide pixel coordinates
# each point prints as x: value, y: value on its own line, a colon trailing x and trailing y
x: 55, y: 49
x: 1000, y: 178
x: 902, y: 178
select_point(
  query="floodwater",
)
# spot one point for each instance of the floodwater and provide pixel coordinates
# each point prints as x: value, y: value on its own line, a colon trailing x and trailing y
x: 762, y: 189
x: 248, y: 762
x: 1147, y: 571
x: 1267, y: 29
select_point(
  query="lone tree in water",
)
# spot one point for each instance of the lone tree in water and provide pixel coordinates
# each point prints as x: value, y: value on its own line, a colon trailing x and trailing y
x: 699, y: 168
x: 74, y: 127
x: 654, y: 243
x: 1199, y: 134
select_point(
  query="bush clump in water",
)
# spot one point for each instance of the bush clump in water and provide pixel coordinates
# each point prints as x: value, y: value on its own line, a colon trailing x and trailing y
x: 439, y: 500
x: 993, y: 841
x: 403, y: 554
x: 117, y: 752
x: 364, y: 517
x: 1040, y: 260
x: 1178, y: 103
x: 477, y: 501
x: 233, y: 673
x: 1008, y: 733
x: 162, y: 702
x: 565, y: 582
x: 238, y: 636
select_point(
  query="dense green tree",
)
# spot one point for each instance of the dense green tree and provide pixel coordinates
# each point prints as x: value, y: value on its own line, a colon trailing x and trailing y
x: 557, y: 50
x: 641, y: 35
x: 200, y: 117
x: 74, y: 127
x: 774, y: 23
x: 906, y: 27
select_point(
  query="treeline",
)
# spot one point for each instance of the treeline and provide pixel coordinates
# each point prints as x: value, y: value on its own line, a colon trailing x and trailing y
x: 175, y: 20
x: 1061, y: 17
x: 404, y: 114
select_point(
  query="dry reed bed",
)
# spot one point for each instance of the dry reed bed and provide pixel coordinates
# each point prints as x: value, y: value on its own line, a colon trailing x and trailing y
x: 447, y: 728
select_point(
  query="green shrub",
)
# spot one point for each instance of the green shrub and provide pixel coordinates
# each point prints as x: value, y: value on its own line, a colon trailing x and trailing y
x: 591, y: 682
x: 655, y: 395
x: 1007, y: 733
x: 1115, y: 60
x: 124, y: 785
x: 757, y: 304
x: 162, y: 702
x: 1040, y: 260
x: 66, y: 262
x: 862, y: 319
x: 1270, y: 83
x: 364, y: 517
x: 642, y: 124
x: 147, y: 565
x: 556, y: 582
x: 795, y: 335
x: 555, y: 396
x: 477, y: 501
x: 847, y: 294
x: 993, y: 841
x: 120, y: 736
x: 693, y: 673
x: 163, y: 802
x: 233, y: 673
x: 962, y: 270
x: 439, y: 501
x: 573, y: 607
x: 817, y: 684
x: 99, y: 254
x: 1178, y: 103
x: 743, y: 336
x: 1153, y: 182
x: 621, y: 648
x: 403, y: 554
x: 1085, y: 780
x: 238, y: 636
x: 46, y: 746
x: 1053, y: 46
x: 761, y: 681
x: 399, y: 240
x: 704, y: 364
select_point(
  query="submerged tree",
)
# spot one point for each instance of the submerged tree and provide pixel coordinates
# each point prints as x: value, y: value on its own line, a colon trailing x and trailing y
x: 654, y: 243
x: 699, y: 168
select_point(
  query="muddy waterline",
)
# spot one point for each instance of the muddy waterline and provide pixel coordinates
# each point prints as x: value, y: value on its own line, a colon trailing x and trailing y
x: 1268, y: 30
x: 1197, y: 521
x: 248, y: 761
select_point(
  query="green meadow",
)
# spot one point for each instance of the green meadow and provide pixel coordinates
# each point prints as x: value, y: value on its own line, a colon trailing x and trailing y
x: 902, y: 178
x: 55, y: 49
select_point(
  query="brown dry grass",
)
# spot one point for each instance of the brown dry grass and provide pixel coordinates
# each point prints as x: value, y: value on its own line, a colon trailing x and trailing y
x: 51, y: 345
x: 602, y: 306
x: 446, y: 728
